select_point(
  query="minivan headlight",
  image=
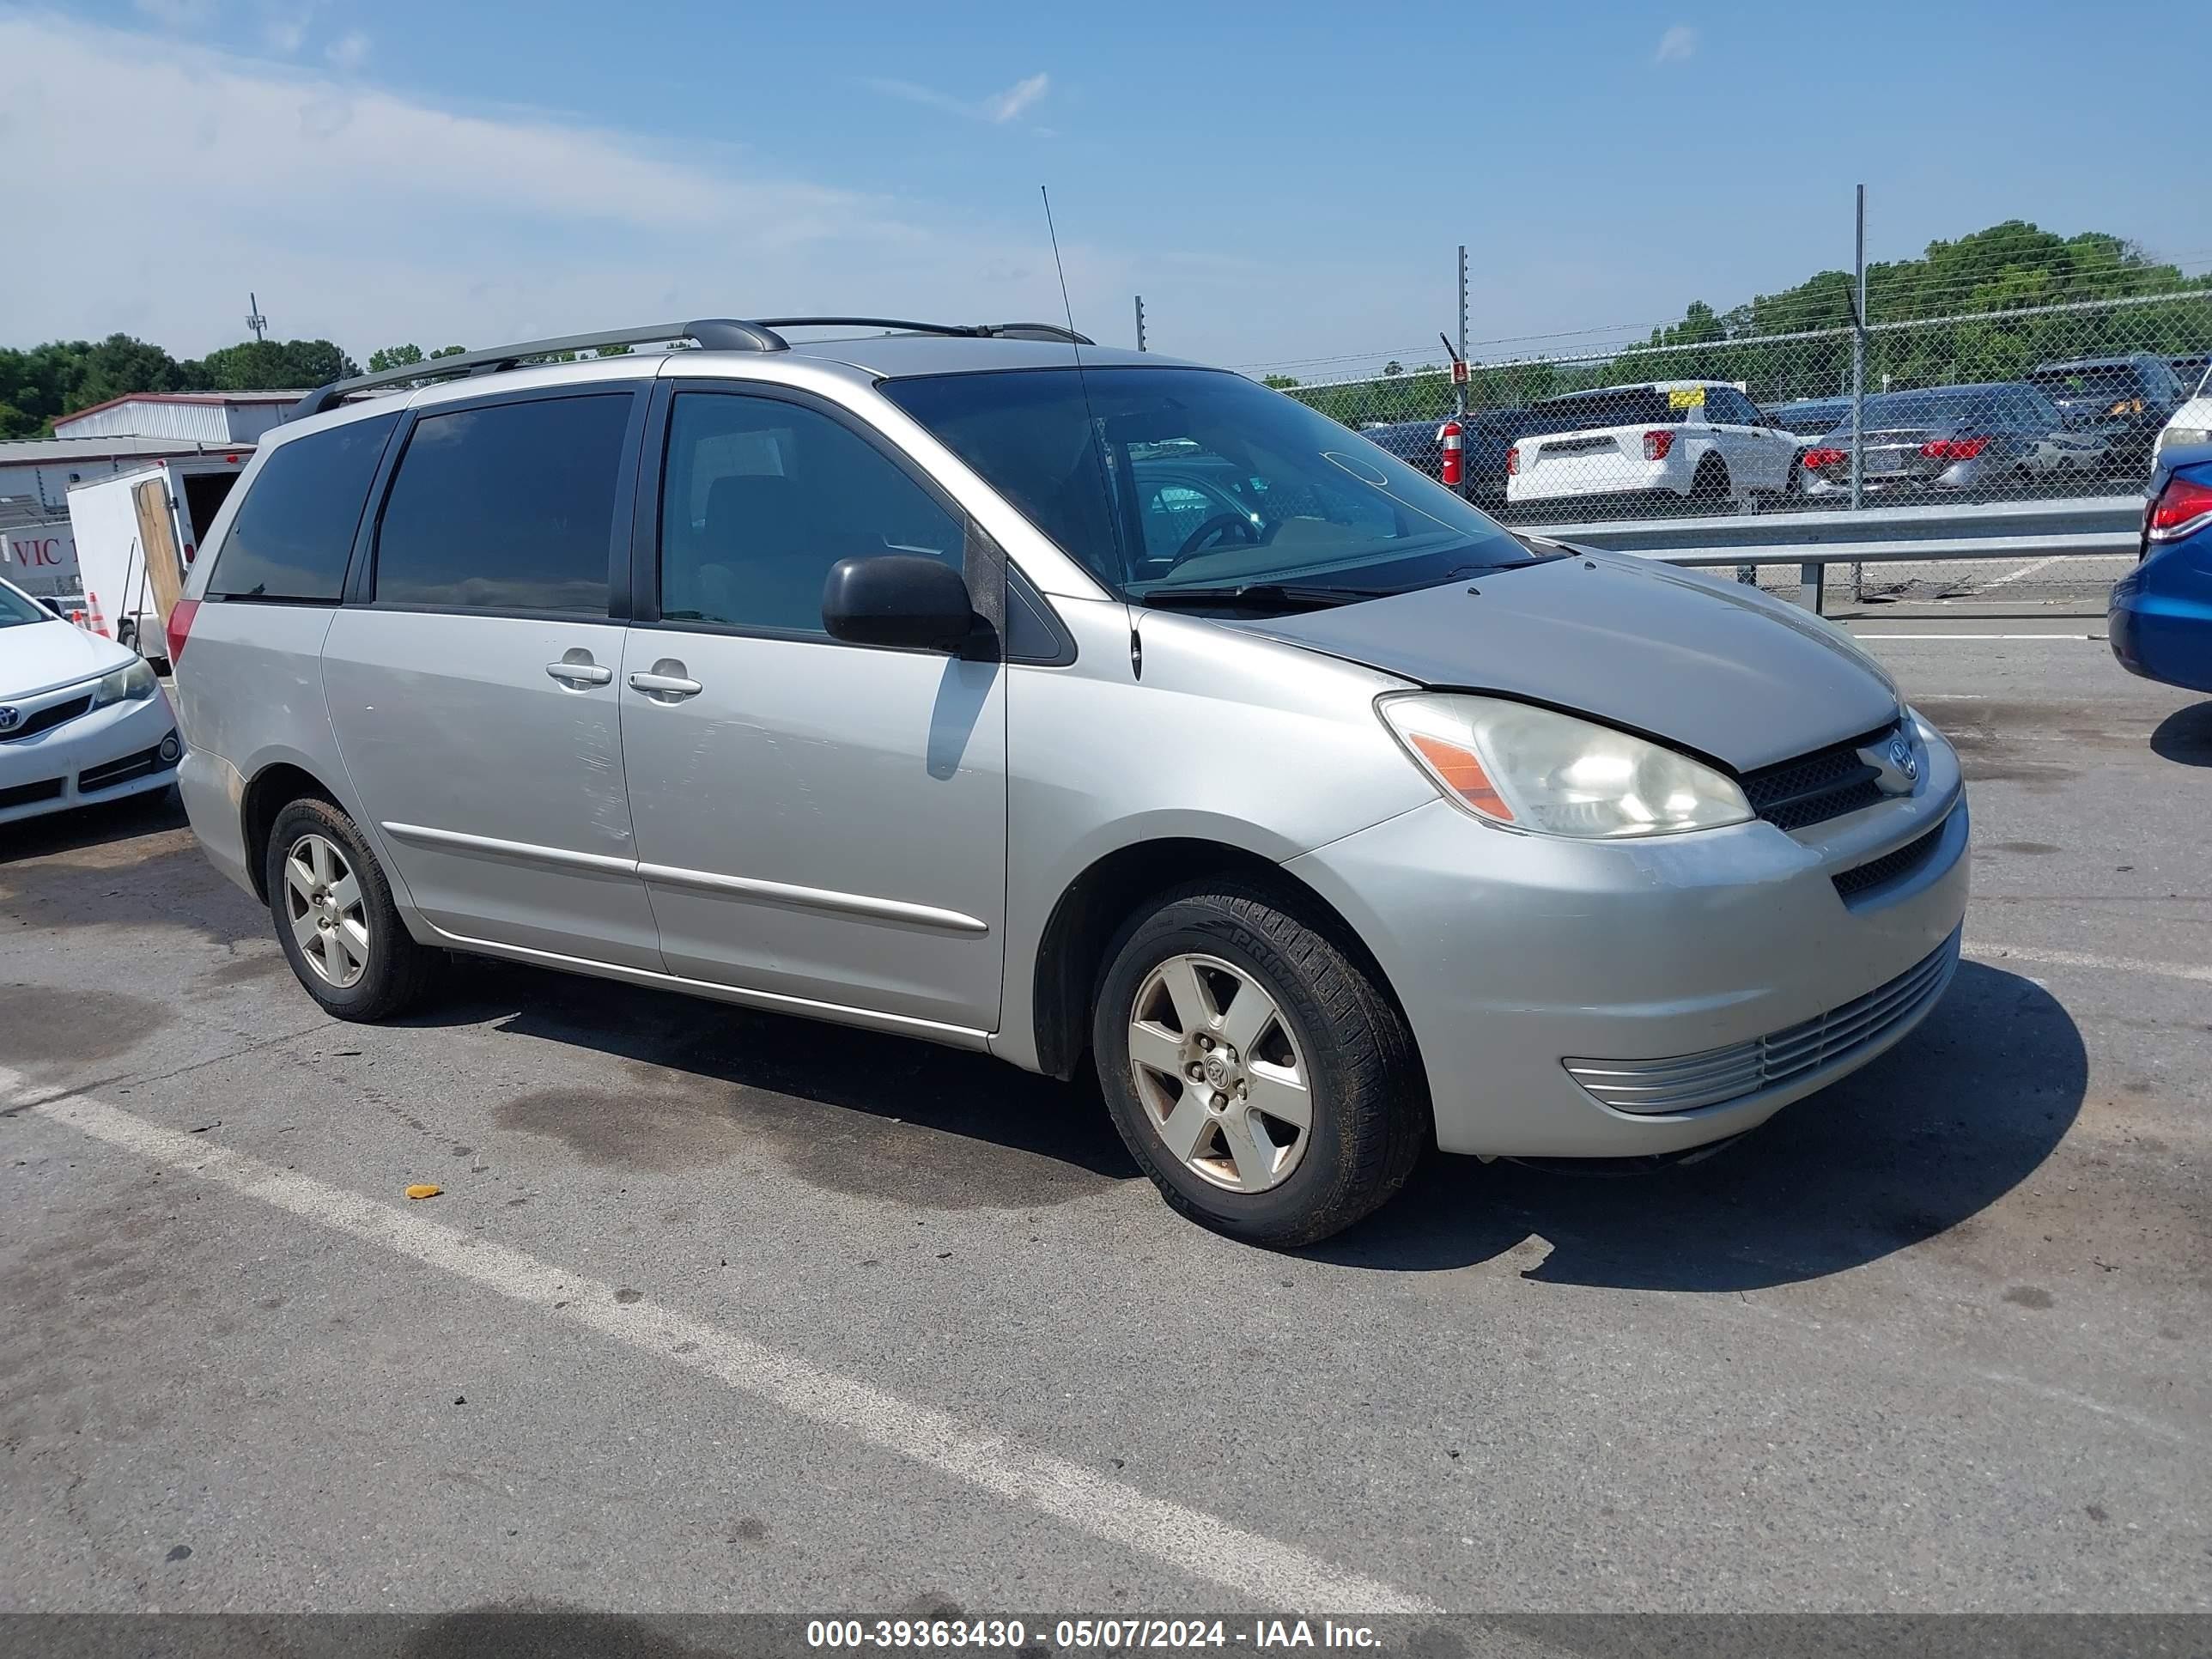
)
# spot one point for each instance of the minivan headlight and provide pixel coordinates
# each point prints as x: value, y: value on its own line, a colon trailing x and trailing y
x: 132, y: 683
x: 2175, y: 436
x: 1534, y: 769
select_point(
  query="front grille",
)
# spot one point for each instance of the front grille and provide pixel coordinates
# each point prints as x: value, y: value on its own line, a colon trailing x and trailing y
x: 116, y: 772
x: 1686, y: 1083
x: 1849, y: 883
x: 1815, y: 787
x: 23, y: 794
x: 46, y: 719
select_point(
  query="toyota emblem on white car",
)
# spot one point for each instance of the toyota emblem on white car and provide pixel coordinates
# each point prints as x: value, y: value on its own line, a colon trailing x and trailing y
x: 11, y: 717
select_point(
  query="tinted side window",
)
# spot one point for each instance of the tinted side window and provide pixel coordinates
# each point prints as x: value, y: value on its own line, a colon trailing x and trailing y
x: 1726, y: 406
x: 761, y: 497
x: 509, y: 507
x: 295, y: 527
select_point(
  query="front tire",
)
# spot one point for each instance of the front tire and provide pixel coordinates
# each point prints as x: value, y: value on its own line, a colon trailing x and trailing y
x: 1257, y: 1073
x: 335, y: 919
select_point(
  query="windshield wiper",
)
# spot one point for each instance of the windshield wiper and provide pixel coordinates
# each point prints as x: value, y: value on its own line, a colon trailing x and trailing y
x: 1263, y: 596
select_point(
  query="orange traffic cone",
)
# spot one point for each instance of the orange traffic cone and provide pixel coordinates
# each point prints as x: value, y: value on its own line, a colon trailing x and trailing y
x: 98, y: 623
x: 76, y: 614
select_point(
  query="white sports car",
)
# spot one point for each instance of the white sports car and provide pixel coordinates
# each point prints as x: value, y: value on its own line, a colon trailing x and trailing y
x: 83, y: 720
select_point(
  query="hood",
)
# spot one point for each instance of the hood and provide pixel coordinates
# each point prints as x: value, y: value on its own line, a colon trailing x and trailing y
x: 1707, y: 665
x: 36, y: 657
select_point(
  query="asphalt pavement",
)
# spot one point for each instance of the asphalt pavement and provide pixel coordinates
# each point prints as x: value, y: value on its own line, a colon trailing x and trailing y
x: 719, y: 1311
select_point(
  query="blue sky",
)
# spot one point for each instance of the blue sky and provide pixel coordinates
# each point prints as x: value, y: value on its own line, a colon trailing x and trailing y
x: 1283, y: 183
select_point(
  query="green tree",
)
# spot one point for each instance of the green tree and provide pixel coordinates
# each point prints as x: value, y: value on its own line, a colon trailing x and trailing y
x: 267, y: 365
x: 449, y: 351
x: 396, y: 356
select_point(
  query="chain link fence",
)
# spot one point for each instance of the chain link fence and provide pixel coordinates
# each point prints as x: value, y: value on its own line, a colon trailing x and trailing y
x: 2004, y: 404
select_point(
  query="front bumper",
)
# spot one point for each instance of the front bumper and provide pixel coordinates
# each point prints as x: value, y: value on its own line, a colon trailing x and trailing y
x: 1515, y: 955
x: 108, y: 754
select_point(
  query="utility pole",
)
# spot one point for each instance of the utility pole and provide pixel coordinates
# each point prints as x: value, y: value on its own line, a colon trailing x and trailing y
x: 254, y: 319
x: 1140, y: 322
x: 1462, y: 323
x: 1858, y: 380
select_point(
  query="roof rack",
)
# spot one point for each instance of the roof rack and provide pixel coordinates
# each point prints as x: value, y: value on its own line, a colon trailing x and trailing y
x: 711, y: 334
x: 1047, y: 332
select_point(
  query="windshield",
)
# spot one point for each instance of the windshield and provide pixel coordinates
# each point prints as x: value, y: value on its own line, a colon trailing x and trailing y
x: 15, y: 609
x: 1159, y: 480
x: 2103, y: 384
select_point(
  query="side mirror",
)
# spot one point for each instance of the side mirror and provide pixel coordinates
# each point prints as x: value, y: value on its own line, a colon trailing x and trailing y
x: 897, y: 599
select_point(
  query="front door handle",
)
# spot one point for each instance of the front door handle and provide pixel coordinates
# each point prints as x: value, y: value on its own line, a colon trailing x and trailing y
x: 670, y: 686
x: 580, y: 674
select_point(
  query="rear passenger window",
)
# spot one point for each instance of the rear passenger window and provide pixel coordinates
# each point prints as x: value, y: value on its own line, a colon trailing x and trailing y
x: 509, y: 507
x: 761, y: 497
x: 294, y: 531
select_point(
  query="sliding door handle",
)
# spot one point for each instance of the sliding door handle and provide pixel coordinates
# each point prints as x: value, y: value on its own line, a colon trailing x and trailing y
x: 671, y: 686
x: 580, y: 674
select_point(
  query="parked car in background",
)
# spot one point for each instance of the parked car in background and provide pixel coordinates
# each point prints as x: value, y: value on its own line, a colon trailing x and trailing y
x: 2126, y: 398
x: 2191, y: 423
x: 2160, y: 618
x: 1809, y: 420
x: 2002, y: 439
x: 1811, y: 417
x: 835, y: 678
x: 1486, y: 436
x: 83, y: 720
x: 1655, y: 446
x: 2190, y: 366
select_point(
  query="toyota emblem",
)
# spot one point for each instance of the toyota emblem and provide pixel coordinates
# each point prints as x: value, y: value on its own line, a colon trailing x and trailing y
x: 1900, y: 756
x: 11, y: 717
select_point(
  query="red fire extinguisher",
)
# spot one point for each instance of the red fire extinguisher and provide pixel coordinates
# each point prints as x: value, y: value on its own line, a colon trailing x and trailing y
x: 1454, y: 448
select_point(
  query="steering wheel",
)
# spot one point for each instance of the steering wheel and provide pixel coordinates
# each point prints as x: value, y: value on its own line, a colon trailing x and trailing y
x: 1214, y: 526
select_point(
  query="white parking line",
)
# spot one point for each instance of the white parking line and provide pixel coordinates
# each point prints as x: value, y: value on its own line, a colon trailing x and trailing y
x: 2024, y: 570
x: 1982, y: 952
x: 1188, y: 1540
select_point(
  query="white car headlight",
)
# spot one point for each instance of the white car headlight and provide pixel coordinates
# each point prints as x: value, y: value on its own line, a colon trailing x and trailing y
x: 1532, y: 768
x: 132, y: 683
x: 2174, y: 436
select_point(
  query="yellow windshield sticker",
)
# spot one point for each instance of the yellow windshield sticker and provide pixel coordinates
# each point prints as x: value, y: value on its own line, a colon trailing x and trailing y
x: 1686, y: 397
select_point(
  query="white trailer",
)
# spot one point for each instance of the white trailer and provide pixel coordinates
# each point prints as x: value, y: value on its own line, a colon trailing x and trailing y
x: 37, y: 553
x: 137, y: 534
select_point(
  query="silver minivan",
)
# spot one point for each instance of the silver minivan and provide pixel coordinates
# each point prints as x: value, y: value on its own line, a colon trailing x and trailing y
x: 1075, y: 706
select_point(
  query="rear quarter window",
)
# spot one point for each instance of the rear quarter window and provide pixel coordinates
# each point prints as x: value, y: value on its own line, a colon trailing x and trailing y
x: 294, y: 531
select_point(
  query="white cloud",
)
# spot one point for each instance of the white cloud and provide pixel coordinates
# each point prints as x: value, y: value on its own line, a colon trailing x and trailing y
x: 1005, y: 106
x: 366, y: 216
x: 284, y: 23
x: 1677, y: 44
x: 349, y: 50
x: 999, y: 108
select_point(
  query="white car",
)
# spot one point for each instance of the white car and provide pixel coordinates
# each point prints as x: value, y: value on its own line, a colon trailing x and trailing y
x: 83, y: 720
x: 2191, y: 423
x: 1652, y: 445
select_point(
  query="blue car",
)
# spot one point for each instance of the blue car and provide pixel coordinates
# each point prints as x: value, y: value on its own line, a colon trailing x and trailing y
x: 2160, y: 620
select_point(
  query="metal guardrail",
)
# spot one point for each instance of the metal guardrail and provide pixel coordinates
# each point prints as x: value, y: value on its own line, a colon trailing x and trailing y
x: 2103, y: 526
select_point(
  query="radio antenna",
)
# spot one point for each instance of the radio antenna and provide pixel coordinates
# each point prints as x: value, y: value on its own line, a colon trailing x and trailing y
x: 1097, y: 430
x: 1060, y: 270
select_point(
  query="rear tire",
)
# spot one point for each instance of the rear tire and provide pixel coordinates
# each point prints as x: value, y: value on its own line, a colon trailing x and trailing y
x: 1320, y: 1022
x: 1710, y: 488
x: 335, y: 919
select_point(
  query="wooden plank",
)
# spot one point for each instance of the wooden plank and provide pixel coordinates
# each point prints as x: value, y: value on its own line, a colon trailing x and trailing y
x: 157, y: 540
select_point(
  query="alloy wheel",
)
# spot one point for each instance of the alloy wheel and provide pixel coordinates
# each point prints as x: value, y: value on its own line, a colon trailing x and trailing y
x: 1219, y: 1074
x: 322, y: 897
